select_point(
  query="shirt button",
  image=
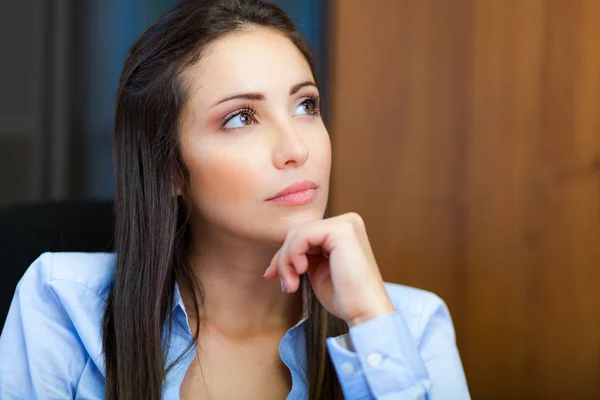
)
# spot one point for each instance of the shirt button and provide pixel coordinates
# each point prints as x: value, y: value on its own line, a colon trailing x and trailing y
x: 347, y: 368
x: 374, y: 360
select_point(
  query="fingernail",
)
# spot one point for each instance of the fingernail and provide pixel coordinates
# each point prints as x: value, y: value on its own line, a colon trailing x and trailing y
x: 283, y: 288
x: 267, y: 270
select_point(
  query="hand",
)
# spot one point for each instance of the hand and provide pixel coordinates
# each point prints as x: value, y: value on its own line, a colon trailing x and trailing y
x: 336, y: 254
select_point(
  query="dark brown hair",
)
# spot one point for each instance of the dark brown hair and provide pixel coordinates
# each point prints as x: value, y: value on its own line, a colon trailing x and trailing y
x: 151, y: 234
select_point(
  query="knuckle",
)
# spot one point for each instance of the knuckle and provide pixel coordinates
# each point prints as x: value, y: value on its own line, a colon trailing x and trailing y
x: 355, y: 220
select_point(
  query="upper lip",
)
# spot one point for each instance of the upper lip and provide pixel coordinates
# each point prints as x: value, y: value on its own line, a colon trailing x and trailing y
x: 296, y: 187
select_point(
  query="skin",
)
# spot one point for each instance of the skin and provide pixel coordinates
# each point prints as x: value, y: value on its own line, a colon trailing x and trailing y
x: 241, y: 241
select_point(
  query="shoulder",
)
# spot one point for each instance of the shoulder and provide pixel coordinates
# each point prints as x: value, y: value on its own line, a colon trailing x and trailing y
x: 418, y: 307
x: 73, y: 288
x: 93, y: 272
x: 53, y: 330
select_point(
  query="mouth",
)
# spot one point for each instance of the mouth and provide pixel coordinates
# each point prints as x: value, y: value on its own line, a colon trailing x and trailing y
x: 299, y: 193
x: 297, y: 198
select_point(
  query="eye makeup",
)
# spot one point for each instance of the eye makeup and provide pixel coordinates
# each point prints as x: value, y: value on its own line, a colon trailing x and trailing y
x: 249, y: 111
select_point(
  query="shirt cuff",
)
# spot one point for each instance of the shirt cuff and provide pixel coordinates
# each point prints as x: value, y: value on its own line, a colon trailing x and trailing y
x: 379, y: 357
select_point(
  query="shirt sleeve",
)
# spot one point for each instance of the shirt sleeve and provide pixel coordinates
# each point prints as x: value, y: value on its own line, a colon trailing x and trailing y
x: 38, y: 342
x: 381, y: 359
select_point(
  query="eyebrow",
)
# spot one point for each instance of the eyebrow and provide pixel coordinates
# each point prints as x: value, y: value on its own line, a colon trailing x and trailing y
x: 260, y: 96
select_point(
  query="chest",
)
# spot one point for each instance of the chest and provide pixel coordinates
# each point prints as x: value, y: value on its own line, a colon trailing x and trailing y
x: 221, y: 371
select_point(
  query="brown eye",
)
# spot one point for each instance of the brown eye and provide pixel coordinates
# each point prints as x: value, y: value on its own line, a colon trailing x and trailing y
x: 309, y: 106
x: 239, y: 119
x: 246, y: 118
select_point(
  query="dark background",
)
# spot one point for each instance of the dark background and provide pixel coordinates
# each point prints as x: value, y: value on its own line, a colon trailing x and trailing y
x: 60, y: 62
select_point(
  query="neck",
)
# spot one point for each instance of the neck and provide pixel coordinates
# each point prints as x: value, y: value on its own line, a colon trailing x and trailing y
x: 236, y: 299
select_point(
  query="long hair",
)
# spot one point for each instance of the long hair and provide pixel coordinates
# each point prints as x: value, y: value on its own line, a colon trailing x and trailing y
x: 151, y: 233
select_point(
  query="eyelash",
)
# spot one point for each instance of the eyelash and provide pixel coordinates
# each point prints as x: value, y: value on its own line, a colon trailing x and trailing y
x: 248, y: 109
x: 316, y: 101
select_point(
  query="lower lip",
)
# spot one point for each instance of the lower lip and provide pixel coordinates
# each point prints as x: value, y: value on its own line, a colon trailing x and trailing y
x: 297, y: 198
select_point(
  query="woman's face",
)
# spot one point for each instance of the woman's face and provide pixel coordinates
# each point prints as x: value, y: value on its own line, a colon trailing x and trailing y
x: 251, y: 128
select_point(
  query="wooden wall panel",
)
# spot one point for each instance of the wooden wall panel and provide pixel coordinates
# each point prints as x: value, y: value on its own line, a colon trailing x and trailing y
x: 467, y: 134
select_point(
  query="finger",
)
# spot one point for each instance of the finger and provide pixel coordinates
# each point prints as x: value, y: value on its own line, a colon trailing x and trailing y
x: 308, y: 242
x: 299, y: 260
x: 289, y: 277
x: 319, y: 273
x: 271, y: 271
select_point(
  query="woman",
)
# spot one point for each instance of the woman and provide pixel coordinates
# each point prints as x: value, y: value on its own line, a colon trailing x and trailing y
x: 222, y: 166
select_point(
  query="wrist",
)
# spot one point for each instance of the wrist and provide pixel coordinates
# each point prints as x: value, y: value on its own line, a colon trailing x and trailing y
x: 385, y: 309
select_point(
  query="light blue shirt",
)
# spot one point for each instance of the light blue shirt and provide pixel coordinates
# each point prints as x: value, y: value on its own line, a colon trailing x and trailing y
x: 51, y: 344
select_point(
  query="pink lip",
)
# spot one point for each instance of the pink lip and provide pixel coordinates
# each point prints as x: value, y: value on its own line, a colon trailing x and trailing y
x: 299, y: 193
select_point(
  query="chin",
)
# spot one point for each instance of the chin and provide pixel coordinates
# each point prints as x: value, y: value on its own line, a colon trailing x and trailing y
x: 302, y: 215
x: 275, y: 227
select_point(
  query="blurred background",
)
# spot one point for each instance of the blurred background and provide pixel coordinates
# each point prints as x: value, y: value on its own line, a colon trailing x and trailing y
x: 59, y: 72
x: 465, y: 132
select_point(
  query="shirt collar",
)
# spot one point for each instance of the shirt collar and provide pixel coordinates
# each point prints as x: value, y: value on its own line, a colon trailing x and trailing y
x: 177, y: 301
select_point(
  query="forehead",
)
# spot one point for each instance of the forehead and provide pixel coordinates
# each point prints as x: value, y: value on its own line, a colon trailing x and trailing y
x: 253, y: 60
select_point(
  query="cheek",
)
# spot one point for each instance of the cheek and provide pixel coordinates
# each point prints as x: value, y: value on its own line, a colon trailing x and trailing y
x: 222, y: 180
x: 321, y: 152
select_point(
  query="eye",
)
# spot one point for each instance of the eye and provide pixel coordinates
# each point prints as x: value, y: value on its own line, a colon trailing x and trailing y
x: 309, y: 106
x: 239, y: 119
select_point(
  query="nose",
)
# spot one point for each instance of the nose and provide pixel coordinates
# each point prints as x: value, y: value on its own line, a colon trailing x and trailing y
x: 290, y: 150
